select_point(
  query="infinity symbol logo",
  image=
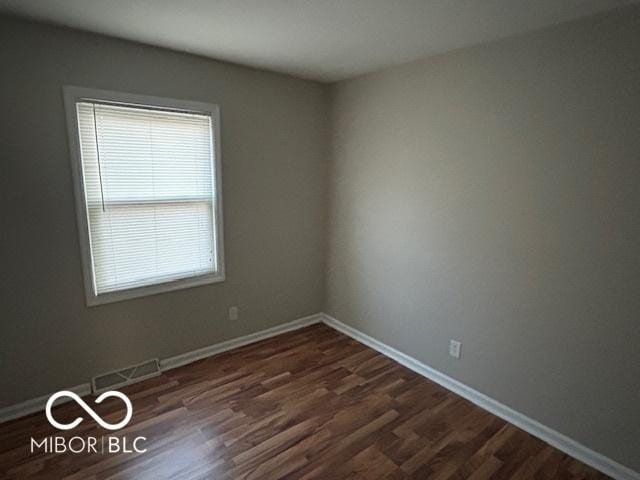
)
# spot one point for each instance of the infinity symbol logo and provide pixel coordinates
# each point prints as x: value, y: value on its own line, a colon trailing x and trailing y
x: 89, y: 410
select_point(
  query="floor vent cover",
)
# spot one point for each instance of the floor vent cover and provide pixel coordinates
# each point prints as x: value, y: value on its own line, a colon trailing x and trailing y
x: 125, y: 376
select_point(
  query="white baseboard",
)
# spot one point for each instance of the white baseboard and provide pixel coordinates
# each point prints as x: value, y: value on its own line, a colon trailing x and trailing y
x: 37, y: 404
x: 185, y: 358
x: 561, y: 442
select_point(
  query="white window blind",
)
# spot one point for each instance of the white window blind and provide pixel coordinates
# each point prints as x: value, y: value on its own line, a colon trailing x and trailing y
x: 150, y: 194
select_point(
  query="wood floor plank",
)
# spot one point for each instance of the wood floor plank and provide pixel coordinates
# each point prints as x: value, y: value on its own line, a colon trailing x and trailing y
x: 308, y: 404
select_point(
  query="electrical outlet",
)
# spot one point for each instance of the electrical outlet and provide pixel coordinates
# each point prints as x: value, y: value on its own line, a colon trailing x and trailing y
x: 233, y: 313
x: 455, y: 348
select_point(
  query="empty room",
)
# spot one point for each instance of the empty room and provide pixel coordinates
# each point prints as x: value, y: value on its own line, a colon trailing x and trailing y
x: 320, y: 239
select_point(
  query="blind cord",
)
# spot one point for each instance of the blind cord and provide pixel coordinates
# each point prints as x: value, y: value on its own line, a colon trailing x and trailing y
x: 95, y: 133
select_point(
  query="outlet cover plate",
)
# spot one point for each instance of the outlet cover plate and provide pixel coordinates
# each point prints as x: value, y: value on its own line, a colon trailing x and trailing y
x: 455, y: 349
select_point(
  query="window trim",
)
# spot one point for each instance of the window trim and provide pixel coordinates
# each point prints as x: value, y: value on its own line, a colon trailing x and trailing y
x: 73, y: 95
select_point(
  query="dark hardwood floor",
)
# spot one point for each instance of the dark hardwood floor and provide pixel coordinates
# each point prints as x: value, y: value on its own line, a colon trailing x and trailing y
x: 307, y: 404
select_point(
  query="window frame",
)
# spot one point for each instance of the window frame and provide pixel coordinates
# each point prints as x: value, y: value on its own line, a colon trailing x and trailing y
x: 72, y: 95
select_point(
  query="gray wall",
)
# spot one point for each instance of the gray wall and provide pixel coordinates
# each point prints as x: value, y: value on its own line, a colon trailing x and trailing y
x: 492, y: 195
x: 274, y: 166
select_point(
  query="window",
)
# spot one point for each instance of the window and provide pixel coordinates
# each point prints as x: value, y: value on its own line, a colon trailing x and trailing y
x: 147, y: 175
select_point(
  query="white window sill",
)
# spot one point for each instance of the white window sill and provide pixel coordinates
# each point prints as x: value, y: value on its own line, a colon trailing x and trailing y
x: 128, y: 294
